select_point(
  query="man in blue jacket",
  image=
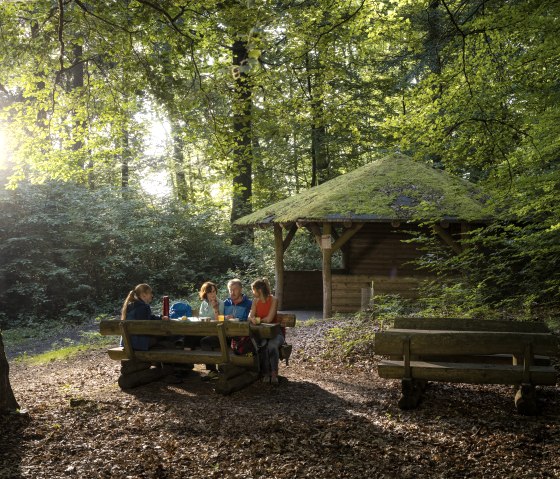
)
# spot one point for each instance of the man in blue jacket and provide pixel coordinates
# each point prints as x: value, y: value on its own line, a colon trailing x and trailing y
x: 237, y: 306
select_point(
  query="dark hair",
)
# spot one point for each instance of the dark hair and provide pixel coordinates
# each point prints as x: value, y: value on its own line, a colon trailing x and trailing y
x: 206, y: 288
x: 134, y: 295
x: 262, y: 285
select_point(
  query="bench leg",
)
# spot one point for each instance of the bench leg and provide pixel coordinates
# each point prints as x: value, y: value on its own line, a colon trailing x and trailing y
x: 229, y: 385
x: 526, y: 400
x: 137, y: 373
x: 411, y: 393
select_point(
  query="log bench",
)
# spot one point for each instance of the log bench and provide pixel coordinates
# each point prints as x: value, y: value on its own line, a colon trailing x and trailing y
x: 467, y: 351
x: 142, y: 367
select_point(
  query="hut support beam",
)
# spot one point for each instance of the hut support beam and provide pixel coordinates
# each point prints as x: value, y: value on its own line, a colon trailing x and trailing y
x: 326, y: 249
x: 279, y: 264
x: 289, y: 236
x: 280, y: 246
x: 447, y: 238
x: 346, y: 236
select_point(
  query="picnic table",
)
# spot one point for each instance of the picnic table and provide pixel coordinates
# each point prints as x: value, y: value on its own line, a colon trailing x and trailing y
x: 468, y: 351
x: 141, y: 367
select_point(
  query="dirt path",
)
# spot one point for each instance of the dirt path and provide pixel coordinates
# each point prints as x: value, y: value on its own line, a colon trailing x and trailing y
x: 325, y: 420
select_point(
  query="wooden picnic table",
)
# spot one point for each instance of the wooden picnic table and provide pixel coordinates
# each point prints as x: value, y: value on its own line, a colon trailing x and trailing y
x: 467, y: 351
x: 238, y: 370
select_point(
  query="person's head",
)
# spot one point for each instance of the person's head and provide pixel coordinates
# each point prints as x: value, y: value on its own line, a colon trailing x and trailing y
x: 235, y: 289
x: 141, y: 292
x: 206, y: 289
x: 261, y: 288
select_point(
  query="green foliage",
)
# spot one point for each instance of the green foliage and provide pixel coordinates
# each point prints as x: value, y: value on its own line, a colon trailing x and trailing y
x: 67, y: 251
x: 468, y: 87
x: 352, y: 338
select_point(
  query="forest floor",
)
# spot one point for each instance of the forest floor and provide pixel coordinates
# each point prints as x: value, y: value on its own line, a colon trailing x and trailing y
x: 330, y: 417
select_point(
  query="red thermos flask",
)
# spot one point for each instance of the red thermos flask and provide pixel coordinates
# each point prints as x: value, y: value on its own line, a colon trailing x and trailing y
x: 166, y: 306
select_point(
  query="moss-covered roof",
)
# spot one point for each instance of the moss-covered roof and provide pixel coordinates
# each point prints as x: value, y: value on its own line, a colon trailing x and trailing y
x: 391, y: 188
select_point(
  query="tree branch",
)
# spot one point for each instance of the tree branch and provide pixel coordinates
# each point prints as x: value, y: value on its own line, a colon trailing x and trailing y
x: 169, y: 18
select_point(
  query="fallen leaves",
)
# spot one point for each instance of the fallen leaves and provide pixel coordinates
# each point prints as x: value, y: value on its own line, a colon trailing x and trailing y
x: 328, y: 419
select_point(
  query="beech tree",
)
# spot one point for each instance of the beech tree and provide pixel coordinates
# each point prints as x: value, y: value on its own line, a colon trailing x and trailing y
x: 8, y: 401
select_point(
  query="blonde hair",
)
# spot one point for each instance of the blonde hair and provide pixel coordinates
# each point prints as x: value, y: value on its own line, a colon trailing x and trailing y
x: 133, y: 296
x: 206, y: 288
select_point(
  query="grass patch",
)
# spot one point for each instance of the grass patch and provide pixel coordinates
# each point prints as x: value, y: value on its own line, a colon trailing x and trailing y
x: 54, y: 355
x: 88, y: 340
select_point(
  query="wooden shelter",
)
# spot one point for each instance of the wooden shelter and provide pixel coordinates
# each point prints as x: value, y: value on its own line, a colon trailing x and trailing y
x: 367, y: 214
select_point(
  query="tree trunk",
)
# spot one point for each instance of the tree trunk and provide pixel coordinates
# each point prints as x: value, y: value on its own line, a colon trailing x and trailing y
x: 319, y: 156
x: 242, y: 152
x: 179, y: 162
x: 8, y: 401
x: 125, y: 160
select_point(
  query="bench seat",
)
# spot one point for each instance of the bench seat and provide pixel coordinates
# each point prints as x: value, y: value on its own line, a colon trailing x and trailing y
x: 182, y: 357
x: 467, y: 351
x: 471, y: 373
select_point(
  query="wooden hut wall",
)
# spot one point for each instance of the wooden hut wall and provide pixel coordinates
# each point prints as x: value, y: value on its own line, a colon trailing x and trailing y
x: 377, y: 249
x: 303, y: 290
x: 376, y: 256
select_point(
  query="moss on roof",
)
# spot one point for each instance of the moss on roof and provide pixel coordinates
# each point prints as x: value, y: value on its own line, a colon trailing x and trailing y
x: 393, y: 187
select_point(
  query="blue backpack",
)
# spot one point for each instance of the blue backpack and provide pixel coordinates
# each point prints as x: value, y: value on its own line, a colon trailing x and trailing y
x: 178, y: 310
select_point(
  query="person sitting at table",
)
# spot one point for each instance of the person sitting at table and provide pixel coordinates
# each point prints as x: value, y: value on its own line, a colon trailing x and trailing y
x: 264, y: 308
x: 136, y: 306
x: 237, y: 306
x: 210, y: 306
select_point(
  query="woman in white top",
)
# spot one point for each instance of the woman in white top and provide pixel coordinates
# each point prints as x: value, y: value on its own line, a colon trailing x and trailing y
x: 211, y: 306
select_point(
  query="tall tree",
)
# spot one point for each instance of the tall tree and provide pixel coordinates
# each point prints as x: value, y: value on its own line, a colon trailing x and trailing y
x: 8, y: 401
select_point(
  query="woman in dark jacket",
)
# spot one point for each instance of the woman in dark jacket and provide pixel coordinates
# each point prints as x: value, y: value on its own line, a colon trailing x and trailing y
x: 137, y: 307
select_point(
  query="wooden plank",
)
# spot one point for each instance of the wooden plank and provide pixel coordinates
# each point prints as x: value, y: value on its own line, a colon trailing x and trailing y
x: 186, y: 328
x: 467, y: 372
x: 327, y: 274
x: 224, y: 349
x: 286, y: 320
x: 182, y: 356
x: 437, y: 342
x: 346, y: 236
x: 465, y: 324
x: 127, y: 342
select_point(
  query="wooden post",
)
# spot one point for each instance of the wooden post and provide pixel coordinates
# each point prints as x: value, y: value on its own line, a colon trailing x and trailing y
x: 279, y: 264
x: 326, y: 249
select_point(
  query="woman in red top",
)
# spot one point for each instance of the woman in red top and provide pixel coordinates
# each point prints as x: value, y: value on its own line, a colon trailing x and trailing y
x: 263, y: 310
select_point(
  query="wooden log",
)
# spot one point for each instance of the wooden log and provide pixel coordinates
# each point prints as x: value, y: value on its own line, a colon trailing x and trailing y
x: 411, y: 394
x: 464, y: 324
x: 279, y: 263
x: 437, y: 342
x: 327, y: 273
x: 139, y: 378
x: 526, y: 400
x: 229, y: 371
x: 228, y: 386
x: 471, y: 373
x: 129, y: 366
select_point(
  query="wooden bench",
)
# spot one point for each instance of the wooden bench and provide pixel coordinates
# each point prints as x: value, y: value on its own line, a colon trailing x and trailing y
x: 467, y: 351
x: 137, y: 367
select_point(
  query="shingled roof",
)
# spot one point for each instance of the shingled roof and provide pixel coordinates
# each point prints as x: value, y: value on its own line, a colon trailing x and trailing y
x: 392, y: 188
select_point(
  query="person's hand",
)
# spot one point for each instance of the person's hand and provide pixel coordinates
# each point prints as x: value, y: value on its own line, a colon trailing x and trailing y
x: 165, y: 318
x: 229, y: 316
